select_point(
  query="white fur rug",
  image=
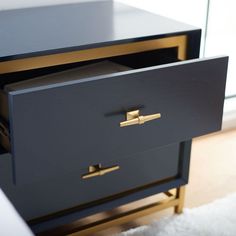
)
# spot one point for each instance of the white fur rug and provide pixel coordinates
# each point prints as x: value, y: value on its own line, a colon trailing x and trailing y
x: 215, y: 219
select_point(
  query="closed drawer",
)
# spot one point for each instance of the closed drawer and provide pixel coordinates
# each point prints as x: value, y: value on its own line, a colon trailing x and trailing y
x: 134, y: 171
x: 67, y: 126
x: 70, y: 190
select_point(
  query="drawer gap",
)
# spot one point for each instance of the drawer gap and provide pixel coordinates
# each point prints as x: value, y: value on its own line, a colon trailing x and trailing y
x: 132, y: 61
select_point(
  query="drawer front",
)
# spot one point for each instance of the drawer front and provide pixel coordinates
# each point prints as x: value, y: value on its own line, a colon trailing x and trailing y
x: 70, y: 190
x: 68, y: 126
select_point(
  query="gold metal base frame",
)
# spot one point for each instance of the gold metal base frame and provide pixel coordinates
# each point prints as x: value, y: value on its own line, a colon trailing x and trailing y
x: 173, y: 198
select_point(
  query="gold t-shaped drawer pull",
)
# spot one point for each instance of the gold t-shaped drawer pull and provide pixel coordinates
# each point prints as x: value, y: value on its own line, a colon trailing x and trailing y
x: 133, y: 118
x: 98, y: 170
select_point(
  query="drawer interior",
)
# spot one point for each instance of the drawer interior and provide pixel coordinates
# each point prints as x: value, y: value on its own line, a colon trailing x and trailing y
x: 130, y: 61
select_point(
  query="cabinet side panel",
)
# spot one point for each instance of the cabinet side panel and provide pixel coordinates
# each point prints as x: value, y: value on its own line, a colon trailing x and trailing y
x: 193, y: 45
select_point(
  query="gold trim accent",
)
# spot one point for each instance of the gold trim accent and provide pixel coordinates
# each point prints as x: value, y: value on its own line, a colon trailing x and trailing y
x: 133, y: 118
x: 172, y: 200
x: 95, y: 53
x: 98, y: 170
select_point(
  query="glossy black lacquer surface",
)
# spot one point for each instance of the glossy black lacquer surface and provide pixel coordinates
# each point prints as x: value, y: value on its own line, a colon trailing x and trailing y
x: 58, y: 130
x: 62, y: 28
x: 54, y: 127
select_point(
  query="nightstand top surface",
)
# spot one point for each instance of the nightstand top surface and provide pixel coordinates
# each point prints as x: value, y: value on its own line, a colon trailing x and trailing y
x: 64, y: 28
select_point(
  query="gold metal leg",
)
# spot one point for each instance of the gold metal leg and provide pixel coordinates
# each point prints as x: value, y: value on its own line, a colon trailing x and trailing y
x: 180, y: 194
x: 173, y: 199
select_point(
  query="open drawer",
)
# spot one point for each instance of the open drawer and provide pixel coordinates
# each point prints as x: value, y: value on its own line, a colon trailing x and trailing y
x: 65, y: 126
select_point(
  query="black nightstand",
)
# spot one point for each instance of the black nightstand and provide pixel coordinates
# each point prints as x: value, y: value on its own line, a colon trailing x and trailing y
x: 99, y: 103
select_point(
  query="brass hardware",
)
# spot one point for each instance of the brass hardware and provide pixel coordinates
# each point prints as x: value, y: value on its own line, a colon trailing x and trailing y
x: 133, y: 118
x: 98, y: 170
x: 95, y: 53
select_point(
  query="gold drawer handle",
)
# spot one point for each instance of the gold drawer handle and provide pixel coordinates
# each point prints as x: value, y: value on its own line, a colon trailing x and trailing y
x: 133, y: 118
x: 98, y: 170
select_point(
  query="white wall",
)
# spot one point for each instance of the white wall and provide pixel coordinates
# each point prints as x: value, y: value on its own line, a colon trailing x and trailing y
x: 188, y: 11
x: 221, y: 37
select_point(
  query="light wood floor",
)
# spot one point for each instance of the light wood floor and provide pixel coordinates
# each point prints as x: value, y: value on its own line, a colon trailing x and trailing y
x: 212, y: 176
